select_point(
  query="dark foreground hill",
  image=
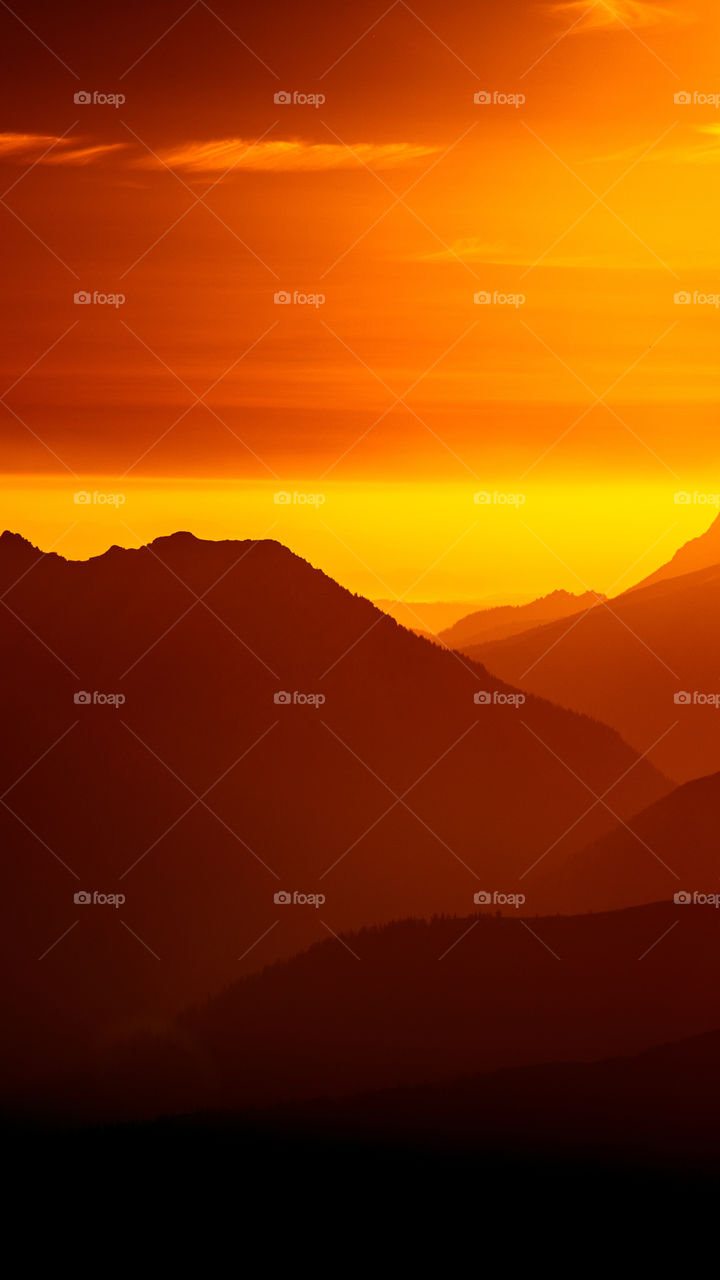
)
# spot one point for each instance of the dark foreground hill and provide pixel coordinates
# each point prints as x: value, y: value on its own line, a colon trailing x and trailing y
x: 416, y: 1003
x: 656, y: 1110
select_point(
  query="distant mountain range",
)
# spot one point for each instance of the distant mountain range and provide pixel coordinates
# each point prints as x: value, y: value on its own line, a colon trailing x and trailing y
x: 434, y: 615
x: 222, y: 780
x: 645, y: 662
x: 669, y: 848
x: 508, y: 620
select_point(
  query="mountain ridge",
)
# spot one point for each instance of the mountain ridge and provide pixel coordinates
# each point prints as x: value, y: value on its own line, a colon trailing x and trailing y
x: 505, y: 620
x: 221, y: 778
x: 698, y: 553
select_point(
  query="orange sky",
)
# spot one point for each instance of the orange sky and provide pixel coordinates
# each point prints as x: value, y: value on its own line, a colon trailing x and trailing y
x: 397, y: 200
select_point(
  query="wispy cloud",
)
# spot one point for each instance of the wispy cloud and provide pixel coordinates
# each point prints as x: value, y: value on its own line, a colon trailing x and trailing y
x: 217, y: 155
x: 84, y: 155
x: 42, y: 148
x: 708, y: 150
x: 471, y: 249
x: 617, y: 13
x: 700, y: 146
x: 498, y: 254
x: 598, y: 257
x: 290, y: 156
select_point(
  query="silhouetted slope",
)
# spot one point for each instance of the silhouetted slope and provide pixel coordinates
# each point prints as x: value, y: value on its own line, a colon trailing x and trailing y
x: 699, y: 553
x: 423, y: 615
x: 199, y: 798
x: 418, y: 1002
x: 624, y: 662
x: 668, y: 848
x: 509, y: 620
x: 654, y: 1109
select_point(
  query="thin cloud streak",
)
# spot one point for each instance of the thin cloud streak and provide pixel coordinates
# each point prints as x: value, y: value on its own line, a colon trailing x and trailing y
x: 618, y: 13
x: 285, y: 156
x: 26, y: 147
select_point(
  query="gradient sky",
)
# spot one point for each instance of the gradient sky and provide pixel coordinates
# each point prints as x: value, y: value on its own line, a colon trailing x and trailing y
x: 398, y: 199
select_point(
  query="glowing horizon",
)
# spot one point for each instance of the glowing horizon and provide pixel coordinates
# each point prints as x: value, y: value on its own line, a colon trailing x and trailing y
x: 394, y: 257
x: 453, y: 537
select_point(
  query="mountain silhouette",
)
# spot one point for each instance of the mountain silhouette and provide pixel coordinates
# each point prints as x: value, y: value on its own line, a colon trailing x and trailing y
x: 641, y: 1111
x: 427, y: 616
x: 645, y: 662
x: 638, y: 1127
x: 508, y: 620
x: 699, y: 553
x: 200, y: 797
x: 669, y: 848
x: 415, y: 1003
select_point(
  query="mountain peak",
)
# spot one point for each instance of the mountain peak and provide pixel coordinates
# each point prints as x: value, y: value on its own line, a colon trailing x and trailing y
x: 181, y: 537
x: 9, y: 539
x: 16, y: 552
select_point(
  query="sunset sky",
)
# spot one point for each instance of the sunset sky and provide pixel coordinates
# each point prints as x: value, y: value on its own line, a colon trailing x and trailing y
x: 381, y: 412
